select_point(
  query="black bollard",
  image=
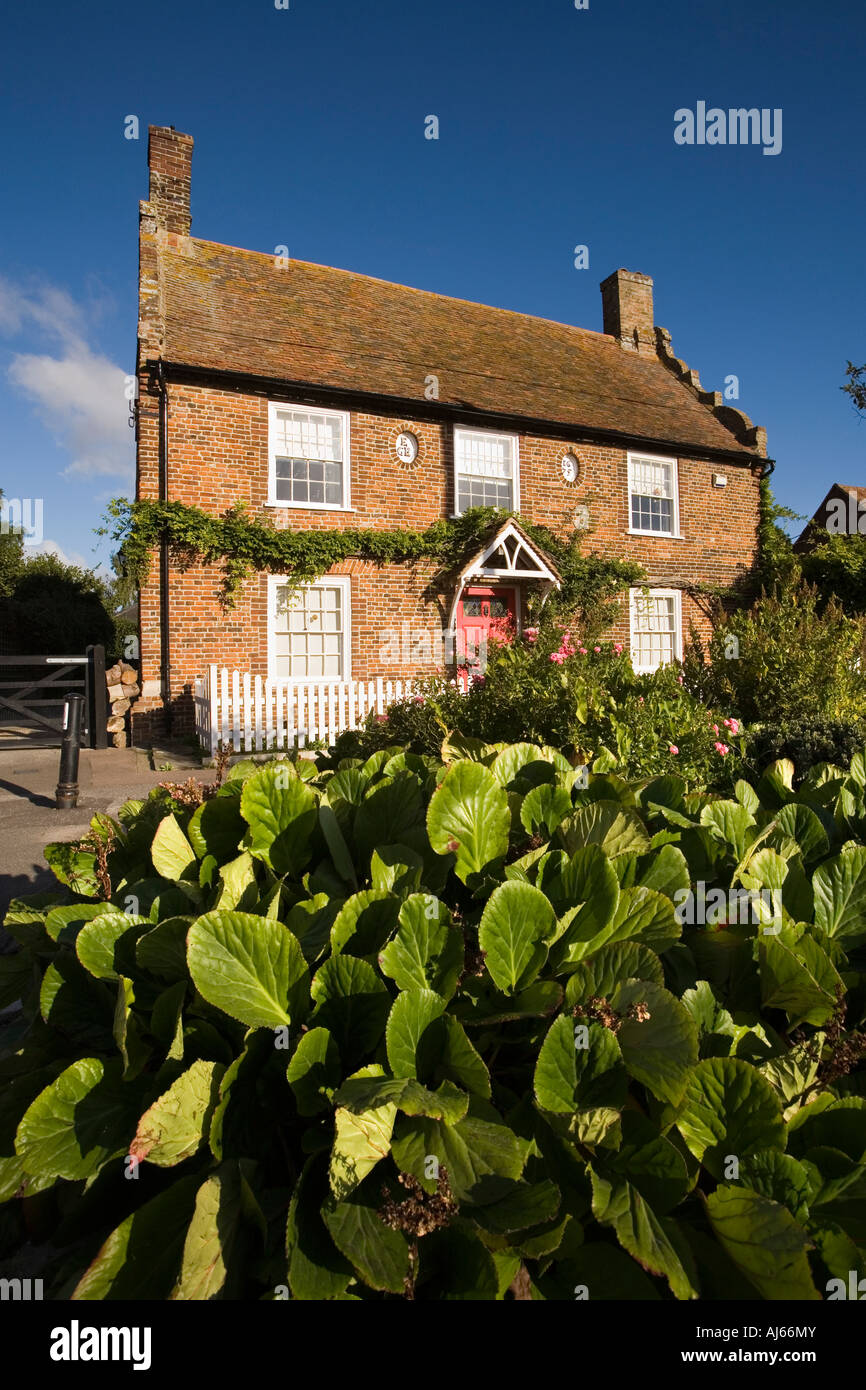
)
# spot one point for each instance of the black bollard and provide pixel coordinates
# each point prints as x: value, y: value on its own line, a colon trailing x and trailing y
x: 67, y: 786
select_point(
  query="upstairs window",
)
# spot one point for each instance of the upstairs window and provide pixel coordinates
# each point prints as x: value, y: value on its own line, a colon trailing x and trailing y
x: 656, y: 628
x: 653, y: 495
x: 309, y: 630
x: 309, y: 457
x: 485, y: 468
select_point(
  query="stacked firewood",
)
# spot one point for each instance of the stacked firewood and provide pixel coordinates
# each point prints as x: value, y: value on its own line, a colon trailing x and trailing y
x: 122, y: 682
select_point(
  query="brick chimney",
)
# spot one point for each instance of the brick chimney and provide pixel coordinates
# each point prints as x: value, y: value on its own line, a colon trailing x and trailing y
x: 627, y: 303
x: 169, y: 158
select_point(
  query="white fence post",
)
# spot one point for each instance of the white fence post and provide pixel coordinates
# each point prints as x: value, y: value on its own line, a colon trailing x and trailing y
x: 237, y: 707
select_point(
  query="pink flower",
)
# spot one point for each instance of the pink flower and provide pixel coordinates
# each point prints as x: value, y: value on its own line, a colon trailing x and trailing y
x: 582, y: 651
x: 640, y: 699
x: 419, y: 699
x: 617, y: 646
x: 722, y: 748
x: 715, y: 731
x: 673, y: 749
x: 381, y: 719
x: 596, y: 649
x: 679, y: 680
x: 531, y: 634
x: 557, y: 657
x: 732, y: 724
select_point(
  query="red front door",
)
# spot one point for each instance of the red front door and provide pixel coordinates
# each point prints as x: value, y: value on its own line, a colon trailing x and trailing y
x: 482, y: 613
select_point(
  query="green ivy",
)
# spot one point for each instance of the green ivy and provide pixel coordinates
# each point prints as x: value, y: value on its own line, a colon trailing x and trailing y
x: 245, y: 545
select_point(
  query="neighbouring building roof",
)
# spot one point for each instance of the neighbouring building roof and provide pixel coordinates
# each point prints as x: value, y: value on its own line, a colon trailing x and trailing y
x: 227, y: 309
x: 853, y: 499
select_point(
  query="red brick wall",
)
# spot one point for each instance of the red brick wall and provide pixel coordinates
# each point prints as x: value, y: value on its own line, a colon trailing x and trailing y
x: 218, y: 455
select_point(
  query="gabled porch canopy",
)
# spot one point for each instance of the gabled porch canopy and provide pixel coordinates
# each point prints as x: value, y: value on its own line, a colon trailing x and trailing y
x: 508, y: 557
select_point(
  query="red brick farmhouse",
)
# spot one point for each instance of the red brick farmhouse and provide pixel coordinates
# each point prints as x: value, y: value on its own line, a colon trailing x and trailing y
x: 324, y: 398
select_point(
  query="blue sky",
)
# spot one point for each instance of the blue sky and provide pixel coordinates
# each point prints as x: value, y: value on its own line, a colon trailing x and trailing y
x: 556, y: 129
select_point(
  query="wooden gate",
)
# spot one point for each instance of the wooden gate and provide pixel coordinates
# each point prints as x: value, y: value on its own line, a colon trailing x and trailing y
x: 33, y: 692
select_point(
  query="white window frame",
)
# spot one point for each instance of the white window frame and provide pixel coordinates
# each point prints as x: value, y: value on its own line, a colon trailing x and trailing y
x: 273, y: 501
x: 635, y: 456
x: 643, y: 592
x: 515, y: 473
x: 342, y: 582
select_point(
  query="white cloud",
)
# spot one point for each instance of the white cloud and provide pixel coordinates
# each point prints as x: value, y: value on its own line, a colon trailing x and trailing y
x: 69, y: 557
x: 80, y: 393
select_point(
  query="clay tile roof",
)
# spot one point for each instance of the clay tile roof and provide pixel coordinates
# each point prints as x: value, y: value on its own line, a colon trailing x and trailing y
x: 234, y: 310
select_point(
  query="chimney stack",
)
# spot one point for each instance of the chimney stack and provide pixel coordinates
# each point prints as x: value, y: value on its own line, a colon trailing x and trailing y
x: 627, y: 303
x: 169, y: 158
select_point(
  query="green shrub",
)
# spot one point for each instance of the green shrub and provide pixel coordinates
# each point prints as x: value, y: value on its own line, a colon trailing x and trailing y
x: 439, y: 1028
x: 547, y: 688
x: 806, y: 742
x: 788, y: 659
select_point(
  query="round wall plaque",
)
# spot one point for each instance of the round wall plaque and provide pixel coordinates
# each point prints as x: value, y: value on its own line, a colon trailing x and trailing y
x: 570, y: 467
x: 406, y: 448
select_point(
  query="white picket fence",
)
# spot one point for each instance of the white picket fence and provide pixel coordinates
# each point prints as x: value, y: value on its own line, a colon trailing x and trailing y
x: 258, y: 715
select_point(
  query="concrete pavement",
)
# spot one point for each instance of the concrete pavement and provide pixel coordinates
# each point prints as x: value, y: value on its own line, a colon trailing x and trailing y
x: 29, y: 820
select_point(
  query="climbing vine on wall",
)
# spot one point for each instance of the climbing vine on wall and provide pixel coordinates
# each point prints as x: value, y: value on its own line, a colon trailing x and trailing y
x: 242, y: 544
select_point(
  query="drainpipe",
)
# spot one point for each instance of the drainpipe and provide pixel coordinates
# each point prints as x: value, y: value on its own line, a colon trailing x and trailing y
x: 165, y: 649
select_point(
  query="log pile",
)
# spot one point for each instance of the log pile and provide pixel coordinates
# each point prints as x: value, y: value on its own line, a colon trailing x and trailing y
x: 122, y: 682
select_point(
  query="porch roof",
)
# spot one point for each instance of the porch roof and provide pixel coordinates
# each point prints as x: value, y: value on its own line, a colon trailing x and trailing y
x: 510, y: 554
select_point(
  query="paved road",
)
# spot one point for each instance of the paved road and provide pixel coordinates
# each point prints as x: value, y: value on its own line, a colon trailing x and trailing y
x: 29, y: 819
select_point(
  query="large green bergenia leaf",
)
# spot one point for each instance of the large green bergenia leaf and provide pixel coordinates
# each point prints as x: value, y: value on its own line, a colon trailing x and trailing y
x: 579, y: 1068
x: 379, y: 1254
x: 764, y: 1242
x: 175, y: 1125
x: 617, y: 829
x: 797, y: 976
x: 427, y: 950
x: 482, y: 1155
x: 172, y: 854
x: 364, y: 922
x: 654, y: 1242
x: 544, y: 808
x: 216, y: 827
x: 362, y: 1135
x: 514, y: 927
x: 729, y: 823
x: 391, y: 813
x: 106, y: 944
x: 729, y: 1111
x: 281, y: 812
x: 413, y: 1012
x: 840, y: 896
x: 250, y: 967
x: 141, y: 1258
x: 469, y: 816
x: 213, y: 1237
x: 317, y: 1270
x: 609, y: 965
x: 649, y: 1161
x: 364, y: 1095
x: 85, y: 1117
x: 314, y: 1067
x: 658, y: 1038
x: 352, y: 1002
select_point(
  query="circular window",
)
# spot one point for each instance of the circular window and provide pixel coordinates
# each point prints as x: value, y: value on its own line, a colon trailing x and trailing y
x: 570, y: 466
x: 406, y: 448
